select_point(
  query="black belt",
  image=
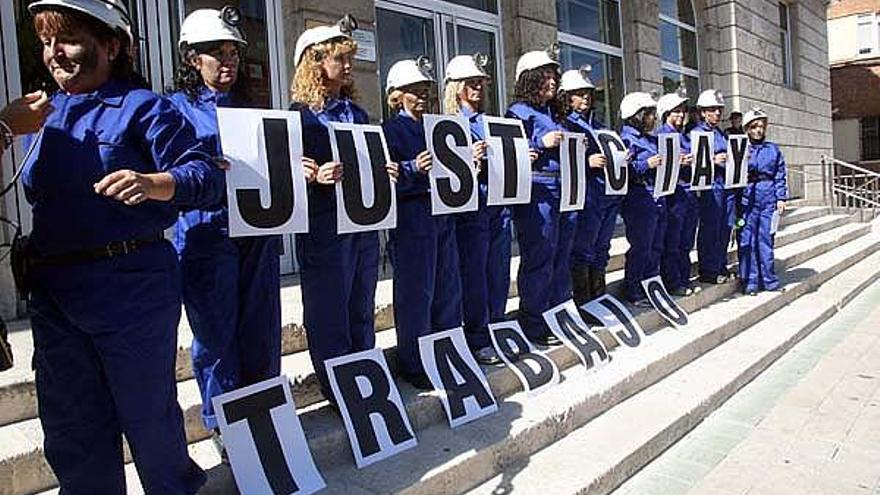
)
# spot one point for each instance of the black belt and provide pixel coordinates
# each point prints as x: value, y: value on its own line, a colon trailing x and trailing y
x: 760, y: 178
x: 536, y: 173
x: 109, y: 250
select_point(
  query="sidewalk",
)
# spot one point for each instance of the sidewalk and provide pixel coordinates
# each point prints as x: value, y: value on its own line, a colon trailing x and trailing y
x: 808, y: 425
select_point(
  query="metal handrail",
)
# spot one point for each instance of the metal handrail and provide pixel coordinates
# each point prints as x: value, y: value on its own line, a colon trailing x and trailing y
x: 857, y: 188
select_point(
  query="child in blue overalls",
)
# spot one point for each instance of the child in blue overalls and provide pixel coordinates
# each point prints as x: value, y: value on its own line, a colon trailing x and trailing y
x: 762, y: 202
x: 543, y: 232
x: 643, y: 215
x: 427, y: 285
x: 483, y: 236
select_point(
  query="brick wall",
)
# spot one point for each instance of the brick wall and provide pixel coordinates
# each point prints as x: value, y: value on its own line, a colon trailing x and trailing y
x: 843, y: 8
x: 856, y: 90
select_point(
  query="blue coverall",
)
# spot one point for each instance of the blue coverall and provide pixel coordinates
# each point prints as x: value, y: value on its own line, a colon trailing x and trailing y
x: 105, y: 331
x: 595, y: 223
x: 544, y: 233
x: 484, y: 238
x: 643, y: 216
x: 424, y: 252
x: 231, y: 287
x: 767, y: 185
x: 717, y: 214
x: 683, y: 215
x: 338, y: 271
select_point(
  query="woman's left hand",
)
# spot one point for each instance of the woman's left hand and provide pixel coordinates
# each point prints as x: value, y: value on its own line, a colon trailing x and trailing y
x: 133, y: 188
x: 655, y: 161
x: 393, y: 171
x: 780, y: 207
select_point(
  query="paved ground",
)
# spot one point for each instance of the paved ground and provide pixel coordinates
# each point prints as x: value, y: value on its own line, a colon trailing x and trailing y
x: 808, y: 425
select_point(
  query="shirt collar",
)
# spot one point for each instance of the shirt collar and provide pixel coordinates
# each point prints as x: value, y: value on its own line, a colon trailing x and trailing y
x: 111, y: 93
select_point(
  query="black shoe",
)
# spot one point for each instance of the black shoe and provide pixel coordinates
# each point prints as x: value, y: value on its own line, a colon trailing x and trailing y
x: 682, y: 292
x: 217, y: 440
x: 597, y: 282
x: 752, y: 293
x: 778, y: 289
x: 418, y: 380
x: 547, y: 340
x: 713, y: 279
x: 580, y: 285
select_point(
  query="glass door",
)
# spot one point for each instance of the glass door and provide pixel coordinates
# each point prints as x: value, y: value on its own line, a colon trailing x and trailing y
x: 440, y: 31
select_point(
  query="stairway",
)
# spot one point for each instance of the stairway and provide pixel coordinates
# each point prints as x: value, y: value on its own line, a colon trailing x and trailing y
x: 591, y: 431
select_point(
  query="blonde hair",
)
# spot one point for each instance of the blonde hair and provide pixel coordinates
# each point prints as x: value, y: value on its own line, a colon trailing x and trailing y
x: 395, y: 100
x: 309, y: 85
x: 451, y: 103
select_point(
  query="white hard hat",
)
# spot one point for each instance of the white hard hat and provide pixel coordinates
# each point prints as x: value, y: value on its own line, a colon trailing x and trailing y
x: 322, y: 34
x: 409, y: 71
x: 205, y: 25
x: 710, y: 99
x: 537, y: 58
x: 752, y: 115
x: 575, y: 79
x: 671, y: 101
x: 113, y: 13
x: 633, y: 102
x: 467, y: 67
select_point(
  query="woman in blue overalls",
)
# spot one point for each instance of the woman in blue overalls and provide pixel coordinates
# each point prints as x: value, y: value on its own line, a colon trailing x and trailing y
x: 543, y: 232
x: 763, y: 202
x: 427, y: 286
x: 109, y: 172
x: 643, y: 215
x: 595, y: 223
x: 231, y: 287
x: 682, y: 208
x: 717, y: 205
x: 484, y: 235
x: 338, y: 271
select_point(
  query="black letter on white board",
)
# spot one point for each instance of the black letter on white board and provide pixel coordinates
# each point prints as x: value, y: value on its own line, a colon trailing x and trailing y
x: 508, y: 133
x: 446, y: 356
x: 351, y: 185
x: 255, y: 409
x: 462, y: 170
x: 608, y: 142
x: 280, y: 181
x: 514, y: 347
x: 585, y: 343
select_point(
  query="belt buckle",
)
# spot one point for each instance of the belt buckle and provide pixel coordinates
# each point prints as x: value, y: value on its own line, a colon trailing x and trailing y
x: 119, y: 248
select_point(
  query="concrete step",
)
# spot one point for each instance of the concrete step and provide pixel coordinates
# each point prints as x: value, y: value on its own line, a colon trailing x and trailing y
x: 604, y: 453
x: 23, y: 465
x: 455, y: 461
x: 18, y: 394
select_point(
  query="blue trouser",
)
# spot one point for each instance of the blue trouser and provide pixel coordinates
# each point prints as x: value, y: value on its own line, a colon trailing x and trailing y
x: 595, y: 228
x: 716, y: 211
x: 484, y: 239
x: 338, y: 277
x: 427, y: 285
x: 645, y: 220
x: 105, y: 345
x: 756, y: 258
x: 232, y: 297
x: 681, y: 230
x: 545, y: 237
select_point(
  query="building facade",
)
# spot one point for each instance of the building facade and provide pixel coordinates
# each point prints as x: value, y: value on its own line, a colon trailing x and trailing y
x: 768, y: 53
x: 854, y: 53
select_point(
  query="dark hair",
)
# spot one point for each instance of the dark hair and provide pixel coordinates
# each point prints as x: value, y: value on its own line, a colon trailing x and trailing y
x: 529, y: 85
x: 50, y: 22
x: 188, y: 80
x: 638, y: 120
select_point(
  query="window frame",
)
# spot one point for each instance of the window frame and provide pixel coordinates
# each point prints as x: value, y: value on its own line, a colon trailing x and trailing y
x: 787, y: 49
x: 682, y: 69
x: 872, y: 20
x: 864, y: 122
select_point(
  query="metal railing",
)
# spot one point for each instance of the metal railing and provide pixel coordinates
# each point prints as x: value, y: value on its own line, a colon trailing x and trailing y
x: 851, y: 187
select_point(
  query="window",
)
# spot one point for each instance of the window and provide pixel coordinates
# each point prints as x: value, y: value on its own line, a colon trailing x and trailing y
x: 865, y: 33
x: 678, y: 46
x: 785, y: 44
x: 589, y: 34
x: 870, y: 138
